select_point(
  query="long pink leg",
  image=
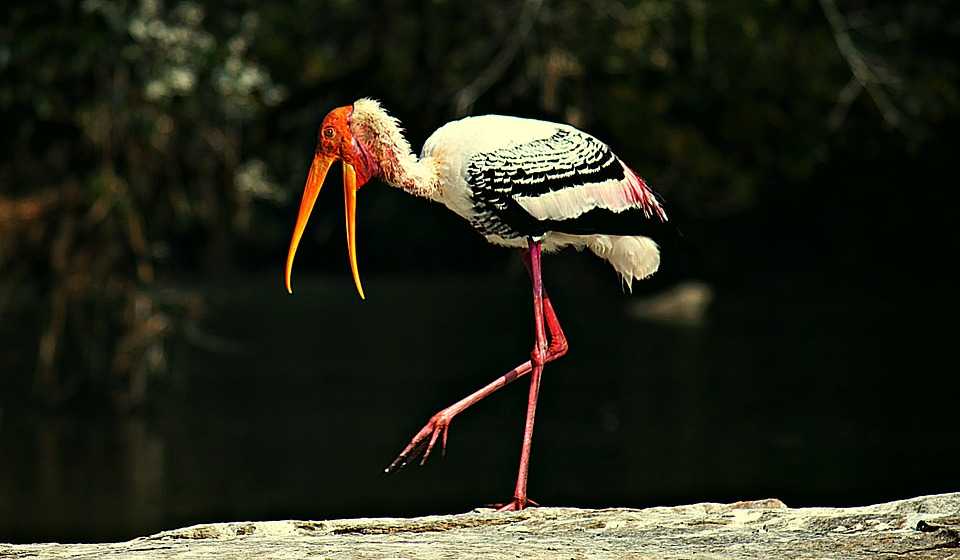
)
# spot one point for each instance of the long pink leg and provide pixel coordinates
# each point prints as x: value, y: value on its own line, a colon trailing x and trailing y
x: 538, y: 359
x: 439, y: 424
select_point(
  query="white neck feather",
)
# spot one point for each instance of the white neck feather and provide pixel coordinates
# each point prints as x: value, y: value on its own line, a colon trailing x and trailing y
x: 382, y: 136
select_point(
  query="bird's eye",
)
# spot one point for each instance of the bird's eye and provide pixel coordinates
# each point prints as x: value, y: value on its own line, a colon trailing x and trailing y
x: 328, y: 132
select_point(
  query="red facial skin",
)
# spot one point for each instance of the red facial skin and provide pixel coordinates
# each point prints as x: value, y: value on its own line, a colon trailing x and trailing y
x: 335, y: 139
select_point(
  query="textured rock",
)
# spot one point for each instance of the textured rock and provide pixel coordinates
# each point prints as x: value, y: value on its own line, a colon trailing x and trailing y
x: 925, y: 527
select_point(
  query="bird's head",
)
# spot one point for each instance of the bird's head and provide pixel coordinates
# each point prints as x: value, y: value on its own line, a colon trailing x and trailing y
x: 335, y: 141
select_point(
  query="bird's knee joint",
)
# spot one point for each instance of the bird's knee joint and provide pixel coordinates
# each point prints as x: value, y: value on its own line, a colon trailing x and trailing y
x: 538, y: 356
x: 558, y: 348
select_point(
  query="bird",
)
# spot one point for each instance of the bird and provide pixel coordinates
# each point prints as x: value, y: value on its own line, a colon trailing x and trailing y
x: 523, y: 183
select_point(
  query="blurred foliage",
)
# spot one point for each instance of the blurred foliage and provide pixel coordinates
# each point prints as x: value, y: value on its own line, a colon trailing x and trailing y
x: 146, y: 140
x: 124, y: 135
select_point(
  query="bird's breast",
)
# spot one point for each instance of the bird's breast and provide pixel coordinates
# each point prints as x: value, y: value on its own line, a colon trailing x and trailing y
x: 456, y: 143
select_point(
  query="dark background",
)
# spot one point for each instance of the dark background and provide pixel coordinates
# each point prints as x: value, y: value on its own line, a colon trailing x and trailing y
x: 155, y: 373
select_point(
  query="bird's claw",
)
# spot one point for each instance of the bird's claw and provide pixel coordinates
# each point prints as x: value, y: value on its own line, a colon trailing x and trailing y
x: 516, y: 504
x: 424, y: 442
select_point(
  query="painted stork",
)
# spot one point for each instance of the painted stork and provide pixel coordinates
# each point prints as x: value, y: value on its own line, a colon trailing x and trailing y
x: 530, y: 184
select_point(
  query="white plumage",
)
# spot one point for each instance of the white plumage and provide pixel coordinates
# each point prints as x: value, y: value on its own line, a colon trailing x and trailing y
x: 454, y: 144
x: 486, y: 168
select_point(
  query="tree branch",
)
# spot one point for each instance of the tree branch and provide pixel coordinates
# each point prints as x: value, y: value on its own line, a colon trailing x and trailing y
x: 865, y: 75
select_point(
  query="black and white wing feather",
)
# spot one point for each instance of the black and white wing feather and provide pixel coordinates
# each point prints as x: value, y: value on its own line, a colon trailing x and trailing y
x: 567, y: 182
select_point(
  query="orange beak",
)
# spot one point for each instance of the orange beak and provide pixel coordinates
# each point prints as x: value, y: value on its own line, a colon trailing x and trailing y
x: 318, y: 172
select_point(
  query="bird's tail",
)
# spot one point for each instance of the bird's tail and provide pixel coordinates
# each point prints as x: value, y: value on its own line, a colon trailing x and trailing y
x: 634, y: 257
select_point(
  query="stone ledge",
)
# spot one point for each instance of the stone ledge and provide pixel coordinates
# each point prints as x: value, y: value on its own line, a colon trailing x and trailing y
x: 924, y: 527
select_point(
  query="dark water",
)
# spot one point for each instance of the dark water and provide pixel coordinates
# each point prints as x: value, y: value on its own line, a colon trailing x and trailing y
x: 830, y: 397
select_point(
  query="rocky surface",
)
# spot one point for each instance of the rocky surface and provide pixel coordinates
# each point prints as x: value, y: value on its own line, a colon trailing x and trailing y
x: 924, y: 527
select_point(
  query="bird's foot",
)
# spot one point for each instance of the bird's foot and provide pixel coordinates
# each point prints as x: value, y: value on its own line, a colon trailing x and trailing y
x: 424, y: 441
x: 516, y: 504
